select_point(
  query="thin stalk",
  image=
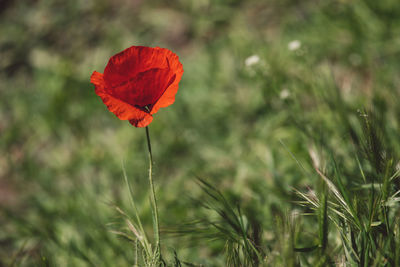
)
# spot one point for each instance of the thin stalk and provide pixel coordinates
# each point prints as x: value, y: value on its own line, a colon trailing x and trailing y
x: 153, y: 195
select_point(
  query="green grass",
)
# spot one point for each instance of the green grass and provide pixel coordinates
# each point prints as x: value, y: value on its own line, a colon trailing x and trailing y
x: 291, y: 161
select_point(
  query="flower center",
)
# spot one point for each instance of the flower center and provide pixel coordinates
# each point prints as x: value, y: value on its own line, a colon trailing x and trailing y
x: 146, y: 108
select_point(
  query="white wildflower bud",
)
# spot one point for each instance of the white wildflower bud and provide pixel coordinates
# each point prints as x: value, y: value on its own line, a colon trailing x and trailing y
x: 252, y: 60
x: 294, y: 45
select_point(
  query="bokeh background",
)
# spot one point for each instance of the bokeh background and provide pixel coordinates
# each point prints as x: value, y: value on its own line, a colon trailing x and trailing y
x: 257, y: 94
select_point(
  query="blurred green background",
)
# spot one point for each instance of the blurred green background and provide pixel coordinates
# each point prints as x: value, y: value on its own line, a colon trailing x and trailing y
x: 257, y: 91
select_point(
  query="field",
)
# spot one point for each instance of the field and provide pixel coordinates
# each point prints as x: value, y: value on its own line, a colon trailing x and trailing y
x: 282, y: 147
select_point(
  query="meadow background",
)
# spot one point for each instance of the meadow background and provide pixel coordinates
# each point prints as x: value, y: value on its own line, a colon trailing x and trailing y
x: 272, y: 91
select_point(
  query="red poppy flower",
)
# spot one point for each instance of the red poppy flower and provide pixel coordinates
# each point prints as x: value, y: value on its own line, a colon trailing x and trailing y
x: 137, y: 82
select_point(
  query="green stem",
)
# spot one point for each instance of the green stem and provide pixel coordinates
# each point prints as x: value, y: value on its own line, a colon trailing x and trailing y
x: 153, y: 195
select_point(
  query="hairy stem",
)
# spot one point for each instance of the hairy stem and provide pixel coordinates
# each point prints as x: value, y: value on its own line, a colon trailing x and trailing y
x: 153, y: 195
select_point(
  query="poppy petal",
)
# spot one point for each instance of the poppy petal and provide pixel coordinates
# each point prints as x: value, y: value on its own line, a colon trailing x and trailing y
x: 168, y: 97
x: 122, y: 110
x: 97, y: 79
x: 141, y: 122
x: 133, y: 60
x: 144, y: 89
